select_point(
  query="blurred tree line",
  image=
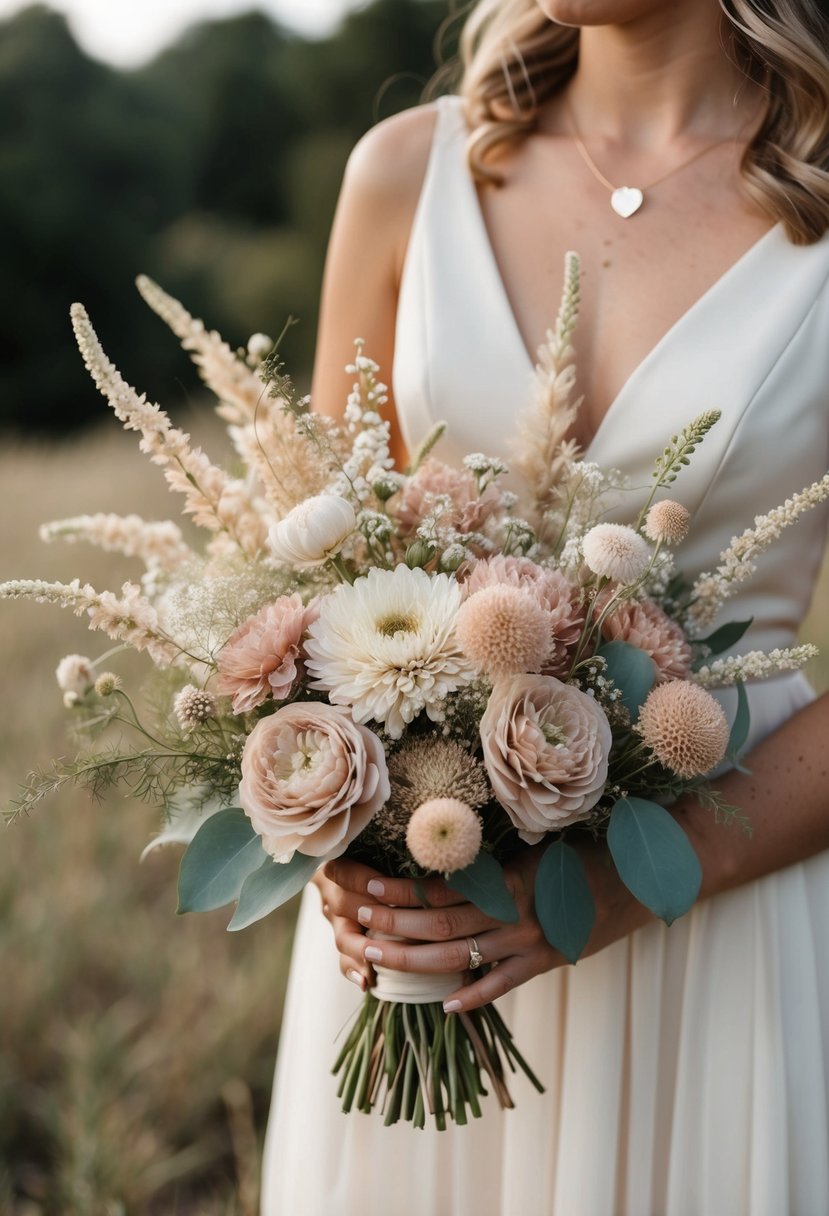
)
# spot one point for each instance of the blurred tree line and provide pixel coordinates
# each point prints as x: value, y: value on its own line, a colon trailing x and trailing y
x: 214, y: 169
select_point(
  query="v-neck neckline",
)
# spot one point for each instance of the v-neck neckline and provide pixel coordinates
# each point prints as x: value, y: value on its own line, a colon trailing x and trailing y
x: 645, y: 364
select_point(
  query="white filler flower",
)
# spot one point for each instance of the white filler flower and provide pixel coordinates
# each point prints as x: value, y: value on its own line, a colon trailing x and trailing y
x: 313, y: 532
x: 386, y: 646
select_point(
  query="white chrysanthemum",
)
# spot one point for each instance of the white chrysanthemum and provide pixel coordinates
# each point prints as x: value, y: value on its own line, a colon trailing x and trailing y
x: 386, y: 646
x: 616, y: 551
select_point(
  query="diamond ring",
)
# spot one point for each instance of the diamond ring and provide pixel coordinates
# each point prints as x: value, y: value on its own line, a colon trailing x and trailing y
x: 475, y: 956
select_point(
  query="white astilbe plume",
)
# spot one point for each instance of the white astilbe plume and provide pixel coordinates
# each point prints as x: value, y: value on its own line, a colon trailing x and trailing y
x: 542, y: 453
x: 753, y: 666
x: 130, y: 618
x: 287, y: 465
x: 738, y: 561
x: 158, y: 544
x: 186, y: 469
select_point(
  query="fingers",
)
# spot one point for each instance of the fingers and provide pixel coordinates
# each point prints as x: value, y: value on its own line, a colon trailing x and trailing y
x: 350, y: 941
x: 496, y: 983
x: 426, y: 925
x: 401, y: 892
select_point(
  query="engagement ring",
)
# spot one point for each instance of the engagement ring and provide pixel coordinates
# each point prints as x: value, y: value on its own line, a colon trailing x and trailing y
x: 475, y: 956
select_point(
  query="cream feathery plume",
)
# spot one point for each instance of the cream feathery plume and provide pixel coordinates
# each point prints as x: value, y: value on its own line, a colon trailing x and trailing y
x: 542, y: 452
x: 755, y: 665
x: 738, y: 560
x: 186, y: 469
x: 287, y: 465
x: 159, y: 544
x: 130, y: 618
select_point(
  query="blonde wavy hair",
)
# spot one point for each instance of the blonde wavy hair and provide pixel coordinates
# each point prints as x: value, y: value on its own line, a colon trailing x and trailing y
x: 514, y: 59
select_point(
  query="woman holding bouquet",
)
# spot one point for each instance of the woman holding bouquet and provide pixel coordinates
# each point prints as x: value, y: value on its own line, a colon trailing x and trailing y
x: 683, y: 151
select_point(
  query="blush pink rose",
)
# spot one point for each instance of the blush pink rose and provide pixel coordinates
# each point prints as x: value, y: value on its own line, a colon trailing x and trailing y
x: 263, y: 657
x: 311, y: 779
x: 545, y: 747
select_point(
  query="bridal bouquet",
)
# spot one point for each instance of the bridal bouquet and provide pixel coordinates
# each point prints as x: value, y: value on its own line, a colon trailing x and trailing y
x: 427, y: 670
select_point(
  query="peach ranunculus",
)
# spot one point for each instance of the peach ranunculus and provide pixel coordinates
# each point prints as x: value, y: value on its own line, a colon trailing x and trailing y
x: 263, y: 656
x: 545, y: 747
x: 643, y: 624
x: 311, y: 779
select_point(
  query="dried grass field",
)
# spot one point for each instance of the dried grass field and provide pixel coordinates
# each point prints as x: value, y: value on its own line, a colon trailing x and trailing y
x: 136, y: 1049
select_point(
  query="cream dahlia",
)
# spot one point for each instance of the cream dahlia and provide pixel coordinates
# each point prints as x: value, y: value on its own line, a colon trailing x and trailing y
x: 386, y: 646
x: 444, y: 835
x: 684, y: 727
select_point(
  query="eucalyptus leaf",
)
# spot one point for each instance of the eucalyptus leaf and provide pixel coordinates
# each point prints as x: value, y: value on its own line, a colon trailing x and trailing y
x: 721, y: 639
x: 217, y: 861
x: 632, y: 671
x: 272, y: 885
x: 484, y: 885
x: 741, y: 723
x: 654, y: 857
x: 563, y: 900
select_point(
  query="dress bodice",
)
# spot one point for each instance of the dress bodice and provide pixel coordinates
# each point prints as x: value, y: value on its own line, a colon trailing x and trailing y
x: 755, y: 345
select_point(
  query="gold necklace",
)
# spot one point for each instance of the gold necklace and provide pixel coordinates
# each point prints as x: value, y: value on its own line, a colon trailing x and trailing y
x: 626, y: 200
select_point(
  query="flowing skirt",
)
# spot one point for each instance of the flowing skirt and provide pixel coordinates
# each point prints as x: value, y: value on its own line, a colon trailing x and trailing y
x: 686, y: 1073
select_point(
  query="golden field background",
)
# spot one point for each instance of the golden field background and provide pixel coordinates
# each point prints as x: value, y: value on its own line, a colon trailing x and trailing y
x: 136, y: 1048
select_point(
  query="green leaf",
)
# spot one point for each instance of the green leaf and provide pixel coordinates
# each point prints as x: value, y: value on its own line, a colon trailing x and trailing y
x: 632, y: 671
x: 741, y: 724
x: 272, y: 885
x: 654, y: 857
x: 483, y: 884
x: 218, y: 859
x: 721, y: 639
x: 563, y: 900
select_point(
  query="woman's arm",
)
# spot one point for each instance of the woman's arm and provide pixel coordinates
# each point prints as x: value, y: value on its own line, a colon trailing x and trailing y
x: 785, y: 794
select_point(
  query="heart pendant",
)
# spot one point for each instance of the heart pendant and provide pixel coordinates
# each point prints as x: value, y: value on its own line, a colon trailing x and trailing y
x: 626, y: 200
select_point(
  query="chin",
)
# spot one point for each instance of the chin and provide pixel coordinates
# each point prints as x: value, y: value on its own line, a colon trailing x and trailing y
x: 597, y: 12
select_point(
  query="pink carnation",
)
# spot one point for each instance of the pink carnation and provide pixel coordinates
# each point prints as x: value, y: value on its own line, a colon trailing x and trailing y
x: 469, y: 511
x: 555, y: 593
x: 643, y: 624
x: 263, y: 657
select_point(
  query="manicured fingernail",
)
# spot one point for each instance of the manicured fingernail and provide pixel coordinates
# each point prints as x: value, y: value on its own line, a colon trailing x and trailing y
x: 357, y: 979
x: 452, y: 1006
x: 373, y: 954
x: 364, y: 916
x: 376, y: 888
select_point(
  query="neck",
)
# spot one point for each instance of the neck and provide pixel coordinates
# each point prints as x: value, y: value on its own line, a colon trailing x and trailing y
x: 664, y: 76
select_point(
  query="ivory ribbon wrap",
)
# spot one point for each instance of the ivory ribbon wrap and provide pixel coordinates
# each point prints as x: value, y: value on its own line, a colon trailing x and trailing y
x: 411, y: 987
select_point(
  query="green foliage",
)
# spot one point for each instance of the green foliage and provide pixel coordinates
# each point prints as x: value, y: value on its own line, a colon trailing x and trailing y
x: 563, y: 900
x: 270, y: 886
x: 483, y: 884
x: 214, y: 169
x: 219, y: 858
x: 654, y: 857
x: 631, y: 670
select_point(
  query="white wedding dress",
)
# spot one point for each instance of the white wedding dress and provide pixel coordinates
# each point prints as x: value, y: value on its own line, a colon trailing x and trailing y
x: 686, y: 1068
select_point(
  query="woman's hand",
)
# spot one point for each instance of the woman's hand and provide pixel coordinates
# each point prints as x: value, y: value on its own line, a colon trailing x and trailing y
x: 356, y: 897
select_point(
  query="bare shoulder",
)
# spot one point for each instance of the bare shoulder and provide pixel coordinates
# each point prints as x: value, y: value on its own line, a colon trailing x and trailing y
x: 389, y: 163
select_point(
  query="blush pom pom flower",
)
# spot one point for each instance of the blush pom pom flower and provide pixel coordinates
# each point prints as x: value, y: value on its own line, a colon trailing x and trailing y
x: 193, y: 706
x: 313, y: 532
x: 615, y: 551
x: 107, y: 683
x: 684, y: 727
x: 444, y: 835
x: 75, y: 674
x: 667, y: 521
x: 504, y: 631
x: 263, y: 657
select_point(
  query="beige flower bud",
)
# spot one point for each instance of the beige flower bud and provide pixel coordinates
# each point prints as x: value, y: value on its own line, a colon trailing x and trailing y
x: 313, y: 532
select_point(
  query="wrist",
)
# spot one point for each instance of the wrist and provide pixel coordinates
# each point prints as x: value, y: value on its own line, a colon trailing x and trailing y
x: 719, y: 847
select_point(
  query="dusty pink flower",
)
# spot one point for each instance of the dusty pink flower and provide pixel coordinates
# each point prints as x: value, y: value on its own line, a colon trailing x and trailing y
x: 545, y: 747
x: 470, y: 510
x: 504, y: 630
x: 263, y: 657
x: 643, y: 624
x: 444, y: 834
x: 561, y: 599
x: 684, y: 727
x: 311, y: 779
